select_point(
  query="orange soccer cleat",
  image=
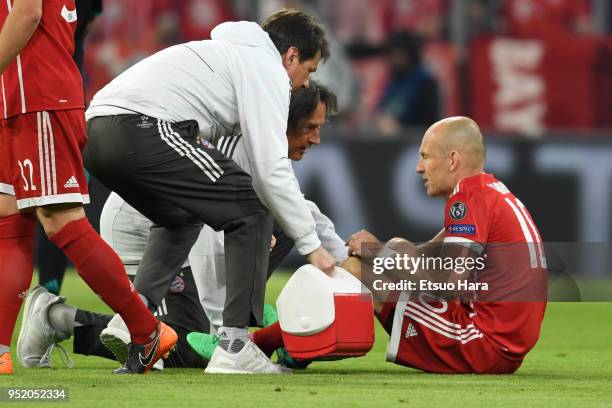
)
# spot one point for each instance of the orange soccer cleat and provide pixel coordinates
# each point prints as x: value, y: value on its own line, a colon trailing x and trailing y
x: 142, y: 357
x: 6, y: 364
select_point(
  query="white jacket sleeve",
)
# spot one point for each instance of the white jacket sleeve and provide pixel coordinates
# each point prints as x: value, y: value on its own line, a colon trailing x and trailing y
x: 326, y: 231
x: 263, y: 105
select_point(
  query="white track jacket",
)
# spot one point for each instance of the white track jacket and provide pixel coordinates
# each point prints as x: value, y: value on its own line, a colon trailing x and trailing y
x: 238, y: 91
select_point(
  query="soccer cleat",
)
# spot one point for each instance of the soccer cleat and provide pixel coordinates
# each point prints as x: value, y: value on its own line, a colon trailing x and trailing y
x: 116, y: 338
x: 203, y: 344
x: 6, y: 364
x: 142, y: 357
x: 249, y: 360
x: 159, y: 366
x: 37, y: 337
x: 285, y: 359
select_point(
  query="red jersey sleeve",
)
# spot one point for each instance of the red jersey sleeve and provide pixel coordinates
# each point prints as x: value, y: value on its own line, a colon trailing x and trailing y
x: 465, y: 219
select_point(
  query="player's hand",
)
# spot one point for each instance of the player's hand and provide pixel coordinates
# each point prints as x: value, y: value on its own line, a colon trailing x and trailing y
x: 358, y: 238
x: 322, y: 260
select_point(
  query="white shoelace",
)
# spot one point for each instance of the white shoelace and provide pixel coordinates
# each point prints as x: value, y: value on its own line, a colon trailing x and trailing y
x: 65, y: 357
x: 46, y: 357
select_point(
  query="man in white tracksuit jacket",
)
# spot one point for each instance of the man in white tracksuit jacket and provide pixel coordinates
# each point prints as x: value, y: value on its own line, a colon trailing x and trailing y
x: 148, y: 131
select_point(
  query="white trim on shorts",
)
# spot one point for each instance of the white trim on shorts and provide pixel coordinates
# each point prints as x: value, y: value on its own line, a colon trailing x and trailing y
x: 7, y: 189
x: 396, y: 330
x: 52, y: 199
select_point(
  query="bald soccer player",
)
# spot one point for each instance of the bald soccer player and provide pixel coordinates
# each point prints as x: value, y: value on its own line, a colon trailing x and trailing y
x: 488, y: 334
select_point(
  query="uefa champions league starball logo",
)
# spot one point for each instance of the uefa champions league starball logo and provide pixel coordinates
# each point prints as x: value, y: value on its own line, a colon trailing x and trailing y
x: 458, y: 211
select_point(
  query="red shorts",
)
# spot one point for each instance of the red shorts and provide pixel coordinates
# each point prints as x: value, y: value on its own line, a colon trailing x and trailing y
x: 40, y: 158
x: 440, y: 337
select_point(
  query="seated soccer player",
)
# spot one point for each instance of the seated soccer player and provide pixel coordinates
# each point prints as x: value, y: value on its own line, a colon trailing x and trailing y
x: 492, y: 332
x: 435, y: 331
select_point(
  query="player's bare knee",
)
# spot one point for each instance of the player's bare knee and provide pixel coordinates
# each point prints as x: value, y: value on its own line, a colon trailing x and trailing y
x: 54, y: 217
x: 402, y: 245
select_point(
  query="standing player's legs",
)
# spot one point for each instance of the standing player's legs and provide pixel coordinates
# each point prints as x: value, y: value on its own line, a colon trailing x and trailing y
x: 152, y: 163
x: 16, y: 251
x: 57, y: 189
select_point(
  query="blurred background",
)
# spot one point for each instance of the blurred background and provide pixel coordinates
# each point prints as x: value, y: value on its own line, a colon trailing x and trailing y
x: 535, y: 74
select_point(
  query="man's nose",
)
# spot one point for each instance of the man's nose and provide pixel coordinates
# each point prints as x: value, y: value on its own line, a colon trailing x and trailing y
x: 315, y: 139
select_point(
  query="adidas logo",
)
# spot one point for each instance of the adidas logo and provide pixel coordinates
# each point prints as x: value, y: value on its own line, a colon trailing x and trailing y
x: 411, y: 331
x: 72, y: 183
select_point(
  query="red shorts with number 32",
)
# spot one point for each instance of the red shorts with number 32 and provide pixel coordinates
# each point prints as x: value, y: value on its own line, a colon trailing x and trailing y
x: 40, y: 158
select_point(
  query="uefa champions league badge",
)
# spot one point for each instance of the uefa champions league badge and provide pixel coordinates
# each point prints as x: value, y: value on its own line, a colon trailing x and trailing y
x: 145, y: 123
x: 458, y: 211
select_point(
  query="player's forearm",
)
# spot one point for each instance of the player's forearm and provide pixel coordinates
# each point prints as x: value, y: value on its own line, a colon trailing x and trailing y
x: 18, y: 29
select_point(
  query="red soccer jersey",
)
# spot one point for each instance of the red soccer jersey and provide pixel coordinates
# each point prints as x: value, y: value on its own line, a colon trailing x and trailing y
x: 483, y: 213
x: 44, y: 76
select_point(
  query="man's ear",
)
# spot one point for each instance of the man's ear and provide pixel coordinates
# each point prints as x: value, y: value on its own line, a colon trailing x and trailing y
x: 291, y: 57
x: 453, y: 160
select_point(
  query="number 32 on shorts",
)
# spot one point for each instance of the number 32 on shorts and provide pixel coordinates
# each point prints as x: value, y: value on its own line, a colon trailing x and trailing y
x: 27, y: 173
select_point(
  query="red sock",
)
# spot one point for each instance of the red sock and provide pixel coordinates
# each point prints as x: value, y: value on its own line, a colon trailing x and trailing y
x: 269, y: 338
x: 102, y: 270
x: 16, y: 253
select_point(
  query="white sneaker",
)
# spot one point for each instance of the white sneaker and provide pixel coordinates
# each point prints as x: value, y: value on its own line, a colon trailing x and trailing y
x: 250, y: 360
x: 37, y: 338
x: 116, y: 338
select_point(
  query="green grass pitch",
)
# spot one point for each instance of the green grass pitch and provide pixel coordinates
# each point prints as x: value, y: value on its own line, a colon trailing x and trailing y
x: 570, y: 366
